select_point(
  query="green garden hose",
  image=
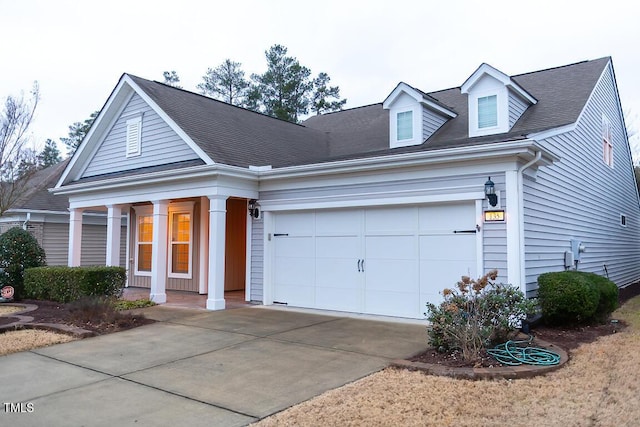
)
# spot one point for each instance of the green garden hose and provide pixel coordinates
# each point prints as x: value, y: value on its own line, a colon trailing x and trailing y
x: 514, y: 353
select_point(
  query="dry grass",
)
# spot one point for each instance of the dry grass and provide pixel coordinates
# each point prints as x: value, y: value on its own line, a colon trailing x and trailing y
x: 27, y: 339
x: 598, y: 387
x: 8, y: 309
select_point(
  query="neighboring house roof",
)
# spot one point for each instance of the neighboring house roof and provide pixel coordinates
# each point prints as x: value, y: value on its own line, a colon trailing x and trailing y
x: 37, y: 196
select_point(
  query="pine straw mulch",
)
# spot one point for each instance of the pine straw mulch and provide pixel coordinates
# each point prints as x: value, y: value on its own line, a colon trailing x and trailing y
x: 567, y: 338
x: 89, y: 317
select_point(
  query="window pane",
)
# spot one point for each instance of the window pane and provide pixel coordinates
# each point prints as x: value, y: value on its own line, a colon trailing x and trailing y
x: 180, y: 258
x: 405, y: 125
x: 181, y: 227
x: 144, y: 257
x: 487, y: 111
x: 145, y: 229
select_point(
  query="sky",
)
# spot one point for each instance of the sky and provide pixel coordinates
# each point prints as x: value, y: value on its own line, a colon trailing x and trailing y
x: 77, y: 50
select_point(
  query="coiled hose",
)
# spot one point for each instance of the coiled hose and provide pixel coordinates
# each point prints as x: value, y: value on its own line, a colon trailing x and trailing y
x: 514, y: 353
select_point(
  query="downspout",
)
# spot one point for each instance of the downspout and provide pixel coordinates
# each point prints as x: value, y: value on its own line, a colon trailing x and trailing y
x: 26, y: 221
x: 523, y: 279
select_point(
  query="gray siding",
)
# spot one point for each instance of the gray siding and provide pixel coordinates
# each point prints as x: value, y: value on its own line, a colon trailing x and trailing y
x: 55, y: 242
x: 517, y: 106
x: 160, y: 144
x: 582, y: 198
x: 494, y: 239
x: 431, y: 122
x: 257, y: 258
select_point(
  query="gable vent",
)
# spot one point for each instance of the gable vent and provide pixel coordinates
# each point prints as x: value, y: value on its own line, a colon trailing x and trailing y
x: 134, y: 130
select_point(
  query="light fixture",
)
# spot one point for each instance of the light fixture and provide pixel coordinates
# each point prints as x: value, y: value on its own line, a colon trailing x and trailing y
x: 253, y: 208
x: 490, y: 192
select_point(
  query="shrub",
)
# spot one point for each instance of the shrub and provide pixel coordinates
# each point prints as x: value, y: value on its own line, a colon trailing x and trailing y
x: 130, y: 305
x: 19, y: 250
x: 64, y: 284
x: 567, y: 297
x: 475, y: 314
x: 608, y: 296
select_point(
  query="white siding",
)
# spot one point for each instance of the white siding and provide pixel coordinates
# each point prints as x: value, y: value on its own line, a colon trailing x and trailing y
x: 431, y: 122
x: 160, y: 144
x: 517, y: 106
x: 582, y: 198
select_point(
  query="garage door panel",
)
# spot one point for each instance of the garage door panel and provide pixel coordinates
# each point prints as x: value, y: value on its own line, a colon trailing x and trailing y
x: 347, y: 222
x: 391, y: 220
x: 339, y: 298
x: 392, y: 303
x: 338, y: 247
x: 297, y: 295
x: 447, y: 217
x: 295, y: 223
x: 294, y: 270
x: 390, y: 247
x: 294, y: 247
x: 448, y: 247
x: 392, y: 275
x: 338, y: 273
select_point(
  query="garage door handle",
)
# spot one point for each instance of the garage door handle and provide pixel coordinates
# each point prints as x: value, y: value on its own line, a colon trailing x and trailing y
x: 359, y: 266
x: 280, y: 234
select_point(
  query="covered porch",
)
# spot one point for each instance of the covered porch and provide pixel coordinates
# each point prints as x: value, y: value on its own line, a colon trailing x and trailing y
x: 186, y: 299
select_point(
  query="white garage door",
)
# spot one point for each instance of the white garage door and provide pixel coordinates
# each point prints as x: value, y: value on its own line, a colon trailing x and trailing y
x: 387, y: 261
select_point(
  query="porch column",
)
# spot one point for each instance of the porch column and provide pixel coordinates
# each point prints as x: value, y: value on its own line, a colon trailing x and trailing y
x: 159, y: 251
x: 217, y: 222
x: 203, y: 270
x: 75, y: 237
x: 114, y: 226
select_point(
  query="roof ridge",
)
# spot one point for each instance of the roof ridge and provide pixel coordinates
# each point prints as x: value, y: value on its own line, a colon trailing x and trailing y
x: 211, y: 99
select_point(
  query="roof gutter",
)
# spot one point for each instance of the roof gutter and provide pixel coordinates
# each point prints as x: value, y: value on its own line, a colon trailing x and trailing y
x: 507, y: 148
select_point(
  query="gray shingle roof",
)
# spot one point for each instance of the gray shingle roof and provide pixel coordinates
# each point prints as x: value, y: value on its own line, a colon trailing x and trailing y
x: 234, y: 136
x: 37, y: 195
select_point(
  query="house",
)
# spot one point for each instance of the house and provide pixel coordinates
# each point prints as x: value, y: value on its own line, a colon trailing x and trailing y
x: 373, y: 209
x: 46, y: 217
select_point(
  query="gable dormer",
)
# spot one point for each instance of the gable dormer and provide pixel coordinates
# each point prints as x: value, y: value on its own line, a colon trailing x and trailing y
x: 413, y: 116
x: 496, y: 102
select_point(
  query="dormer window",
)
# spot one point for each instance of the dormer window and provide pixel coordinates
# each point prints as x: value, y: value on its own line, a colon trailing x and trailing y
x: 405, y: 125
x: 495, y: 101
x: 487, y: 111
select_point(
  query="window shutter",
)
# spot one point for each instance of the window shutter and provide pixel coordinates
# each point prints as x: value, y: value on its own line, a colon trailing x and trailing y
x: 133, y: 136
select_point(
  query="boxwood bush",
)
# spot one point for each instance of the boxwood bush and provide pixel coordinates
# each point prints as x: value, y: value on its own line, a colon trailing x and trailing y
x: 575, y: 297
x: 19, y: 250
x: 65, y: 284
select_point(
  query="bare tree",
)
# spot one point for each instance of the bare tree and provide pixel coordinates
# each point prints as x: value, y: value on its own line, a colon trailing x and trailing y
x: 17, y: 160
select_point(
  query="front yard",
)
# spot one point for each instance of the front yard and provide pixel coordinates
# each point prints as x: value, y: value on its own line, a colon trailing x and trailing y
x: 598, y: 387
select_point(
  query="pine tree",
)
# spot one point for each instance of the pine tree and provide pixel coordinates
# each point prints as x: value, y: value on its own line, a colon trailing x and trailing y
x: 226, y: 83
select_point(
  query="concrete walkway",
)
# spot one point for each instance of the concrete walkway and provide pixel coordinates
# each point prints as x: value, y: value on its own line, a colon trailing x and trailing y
x: 194, y: 367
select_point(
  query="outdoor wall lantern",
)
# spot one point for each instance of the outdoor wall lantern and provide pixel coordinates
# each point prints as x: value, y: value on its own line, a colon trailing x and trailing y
x: 490, y: 192
x: 253, y: 208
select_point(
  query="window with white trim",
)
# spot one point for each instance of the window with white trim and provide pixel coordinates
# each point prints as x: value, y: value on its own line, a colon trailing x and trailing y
x: 181, y: 240
x: 487, y: 111
x: 607, y: 142
x: 134, y: 136
x: 404, y: 125
x: 144, y: 244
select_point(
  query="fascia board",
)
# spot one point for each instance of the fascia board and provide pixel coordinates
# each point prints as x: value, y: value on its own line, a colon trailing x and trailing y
x: 498, y: 75
x: 418, y: 97
x: 158, y: 178
x: 118, y: 92
x: 177, y: 129
x: 507, y: 148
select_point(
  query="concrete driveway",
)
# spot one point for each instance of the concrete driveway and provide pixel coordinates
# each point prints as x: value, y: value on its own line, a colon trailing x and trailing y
x: 196, y: 367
